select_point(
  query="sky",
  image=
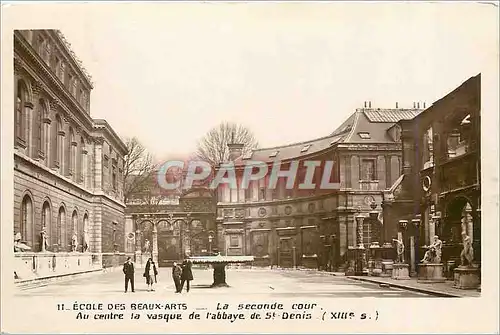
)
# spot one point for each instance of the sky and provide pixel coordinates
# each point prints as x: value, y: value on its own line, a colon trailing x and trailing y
x: 168, y: 72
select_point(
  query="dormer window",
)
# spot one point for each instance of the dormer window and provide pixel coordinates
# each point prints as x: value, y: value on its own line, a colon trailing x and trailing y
x: 305, y: 148
x: 335, y: 141
x: 466, y: 120
x: 364, y: 135
x: 274, y: 153
x: 248, y: 155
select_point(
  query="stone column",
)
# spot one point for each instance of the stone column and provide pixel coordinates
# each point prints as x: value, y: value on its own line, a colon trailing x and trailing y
x: 360, y: 249
x: 155, y: 243
x: 138, y: 248
x: 415, y: 245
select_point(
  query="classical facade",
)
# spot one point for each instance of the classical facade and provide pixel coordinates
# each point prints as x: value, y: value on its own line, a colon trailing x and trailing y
x: 290, y: 226
x: 68, y: 167
x: 439, y: 192
x: 172, y: 228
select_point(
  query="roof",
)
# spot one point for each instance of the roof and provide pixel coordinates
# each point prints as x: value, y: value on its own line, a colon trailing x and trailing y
x: 290, y: 151
x: 365, y: 125
x: 371, y: 125
x: 391, y: 115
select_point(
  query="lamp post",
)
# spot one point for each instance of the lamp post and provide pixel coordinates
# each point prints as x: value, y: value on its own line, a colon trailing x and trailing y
x: 210, y: 239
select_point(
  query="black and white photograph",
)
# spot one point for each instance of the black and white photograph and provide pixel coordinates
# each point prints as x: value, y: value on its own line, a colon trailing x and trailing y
x: 250, y: 167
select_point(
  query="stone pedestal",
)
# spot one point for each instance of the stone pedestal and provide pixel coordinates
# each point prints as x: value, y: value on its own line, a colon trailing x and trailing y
x: 219, y: 275
x: 467, y: 278
x: 387, y: 267
x: 431, y: 273
x: 400, y: 271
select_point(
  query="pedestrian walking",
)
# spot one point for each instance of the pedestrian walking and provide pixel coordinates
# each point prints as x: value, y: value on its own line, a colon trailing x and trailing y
x: 187, y: 274
x: 176, y: 276
x: 150, y: 273
x: 128, y: 270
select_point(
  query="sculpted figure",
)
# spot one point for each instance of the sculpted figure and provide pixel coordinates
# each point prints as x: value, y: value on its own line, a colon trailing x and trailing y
x: 74, y: 242
x: 467, y: 254
x: 18, y: 245
x: 400, y: 249
x: 433, y: 253
x: 146, y: 246
x: 86, y: 240
x: 43, y: 239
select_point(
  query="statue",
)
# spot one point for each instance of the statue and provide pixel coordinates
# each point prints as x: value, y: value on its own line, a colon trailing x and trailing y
x: 433, y: 253
x: 467, y: 254
x: 18, y: 245
x: 43, y: 240
x: 146, y: 246
x: 400, y: 249
x: 86, y: 240
x: 74, y: 242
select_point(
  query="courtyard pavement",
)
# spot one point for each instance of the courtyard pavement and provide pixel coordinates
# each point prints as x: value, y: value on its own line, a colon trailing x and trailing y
x: 255, y: 283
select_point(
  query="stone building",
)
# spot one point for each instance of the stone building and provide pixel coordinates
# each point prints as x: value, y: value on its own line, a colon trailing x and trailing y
x: 170, y: 225
x: 68, y: 167
x: 314, y: 227
x: 439, y: 192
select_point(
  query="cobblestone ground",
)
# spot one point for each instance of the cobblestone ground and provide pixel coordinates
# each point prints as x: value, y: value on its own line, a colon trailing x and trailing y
x: 255, y: 283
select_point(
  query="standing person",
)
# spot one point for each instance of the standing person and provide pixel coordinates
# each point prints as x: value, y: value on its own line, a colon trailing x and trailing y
x: 187, y: 274
x: 150, y: 273
x: 128, y: 270
x: 176, y: 276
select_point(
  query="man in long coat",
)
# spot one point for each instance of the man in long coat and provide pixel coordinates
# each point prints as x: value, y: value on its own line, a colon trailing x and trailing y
x: 187, y: 274
x: 128, y: 270
x: 176, y: 276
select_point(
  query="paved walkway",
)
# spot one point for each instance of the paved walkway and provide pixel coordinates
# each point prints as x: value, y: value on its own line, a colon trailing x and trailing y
x: 254, y: 283
x: 445, y: 289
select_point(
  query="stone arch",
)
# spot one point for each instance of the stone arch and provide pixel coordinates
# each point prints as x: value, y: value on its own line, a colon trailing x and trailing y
x: 48, y: 222
x: 62, y: 227
x: 28, y: 86
x: 458, y: 218
x: 27, y: 219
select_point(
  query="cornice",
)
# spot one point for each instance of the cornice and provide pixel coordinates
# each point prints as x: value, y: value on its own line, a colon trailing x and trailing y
x: 21, y: 45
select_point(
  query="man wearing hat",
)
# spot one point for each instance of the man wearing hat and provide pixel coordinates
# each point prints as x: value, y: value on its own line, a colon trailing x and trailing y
x: 128, y: 270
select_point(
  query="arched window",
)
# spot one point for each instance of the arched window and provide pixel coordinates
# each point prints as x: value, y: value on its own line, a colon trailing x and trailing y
x: 61, y: 230
x: 83, y: 159
x: 86, y: 231
x: 72, y: 152
x: 60, y: 143
x: 20, y: 113
x: 39, y: 115
x: 74, y: 222
x: 47, y: 223
x: 26, y: 227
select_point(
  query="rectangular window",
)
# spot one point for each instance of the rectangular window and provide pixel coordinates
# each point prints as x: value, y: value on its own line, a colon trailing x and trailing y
x: 248, y: 192
x: 114, y: 180
x: 234, y: 241
x: 368, y: 169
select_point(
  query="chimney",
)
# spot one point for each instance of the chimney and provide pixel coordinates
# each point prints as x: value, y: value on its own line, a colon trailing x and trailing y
x: 235, y: 149
x: 369, y: 104
x: 396, y: 104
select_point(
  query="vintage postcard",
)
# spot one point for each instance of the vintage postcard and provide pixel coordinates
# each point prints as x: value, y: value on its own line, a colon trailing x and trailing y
x: 249, y: 167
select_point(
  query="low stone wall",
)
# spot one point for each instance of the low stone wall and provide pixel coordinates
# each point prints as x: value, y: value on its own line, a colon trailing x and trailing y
x: 115, y: 259
x: 37, y: 265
